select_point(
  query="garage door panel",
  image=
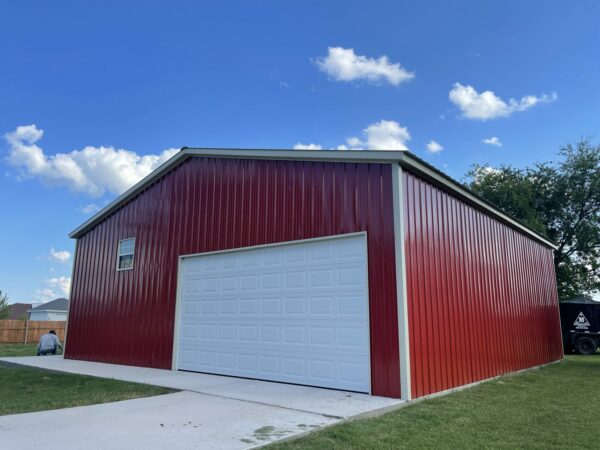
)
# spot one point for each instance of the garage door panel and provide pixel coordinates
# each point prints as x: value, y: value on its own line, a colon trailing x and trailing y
x: 342, y: 372
x: 193, y: 320
x: 209, y: 277
x: 294, y: 305
x: 248, y: 306
x: 299, y: 351
x: 294, y: 313
x: 250, y: 282
x: 332, y: 304
x: 220, y: 344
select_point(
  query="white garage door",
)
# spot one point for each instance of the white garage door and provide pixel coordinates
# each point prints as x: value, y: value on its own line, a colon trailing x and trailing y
x: 295, y: 313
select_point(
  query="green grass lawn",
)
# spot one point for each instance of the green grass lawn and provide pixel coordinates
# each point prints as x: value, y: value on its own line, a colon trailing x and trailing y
x: 24, y: 389
x: 18, y: 349
x: 549, y: 408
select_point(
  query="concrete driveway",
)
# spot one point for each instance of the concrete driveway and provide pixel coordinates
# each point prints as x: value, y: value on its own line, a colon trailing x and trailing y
x: 211, y: 412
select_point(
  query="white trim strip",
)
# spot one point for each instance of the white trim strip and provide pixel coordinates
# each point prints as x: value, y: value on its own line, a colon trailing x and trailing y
x: 402, y: 299
x: 276, y: 244
x: 176, y: 320
x: 69, y: 303
x: 369, y: 156
x: 366, y: 242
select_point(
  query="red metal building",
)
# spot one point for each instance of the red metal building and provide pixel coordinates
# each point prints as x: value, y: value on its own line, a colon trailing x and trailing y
x: 366, y: 271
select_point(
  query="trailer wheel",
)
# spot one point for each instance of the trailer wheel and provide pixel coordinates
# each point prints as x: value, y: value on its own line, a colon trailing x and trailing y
x: 586, y: 346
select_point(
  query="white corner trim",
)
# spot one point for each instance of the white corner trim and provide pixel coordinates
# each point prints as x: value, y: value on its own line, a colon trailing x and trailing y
x: 70, y: 302
x: 175, y: 355
x: 402, y: 300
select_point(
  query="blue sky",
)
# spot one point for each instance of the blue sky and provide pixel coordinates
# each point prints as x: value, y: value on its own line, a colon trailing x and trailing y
x: 114, y: 87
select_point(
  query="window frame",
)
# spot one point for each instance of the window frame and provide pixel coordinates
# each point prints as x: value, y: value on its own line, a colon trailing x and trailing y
x: 119, y: 255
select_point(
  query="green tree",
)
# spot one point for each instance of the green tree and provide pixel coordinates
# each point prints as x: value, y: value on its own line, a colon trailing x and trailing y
x: 4, y: 306
x: 560, y: 200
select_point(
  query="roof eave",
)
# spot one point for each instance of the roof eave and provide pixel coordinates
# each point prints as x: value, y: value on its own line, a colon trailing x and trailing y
x: 432, y: 174
x: 280, y: 154
x: 404, y: 158
x: 125, y: 196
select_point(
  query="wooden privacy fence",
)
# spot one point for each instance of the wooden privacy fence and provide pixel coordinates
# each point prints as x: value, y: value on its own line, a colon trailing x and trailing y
x: 29, y: 331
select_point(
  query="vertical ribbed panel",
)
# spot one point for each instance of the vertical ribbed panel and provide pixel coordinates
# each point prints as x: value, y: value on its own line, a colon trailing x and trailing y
x: 482, y: 297
x: 208, y: 204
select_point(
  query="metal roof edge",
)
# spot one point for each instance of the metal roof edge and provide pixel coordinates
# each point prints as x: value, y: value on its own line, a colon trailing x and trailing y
x: 405, y: 158
x: 371, y: 156
x: 125, y: 196
x: 422, y: 168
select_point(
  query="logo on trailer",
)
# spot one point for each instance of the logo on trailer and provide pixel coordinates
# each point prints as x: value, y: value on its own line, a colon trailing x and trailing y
x: 581, y: 323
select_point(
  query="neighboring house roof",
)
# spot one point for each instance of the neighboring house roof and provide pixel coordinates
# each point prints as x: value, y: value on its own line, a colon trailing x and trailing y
x: 403, y: 157
x: 581, y: 299
x: 17, y: 310
x: 58, y: 305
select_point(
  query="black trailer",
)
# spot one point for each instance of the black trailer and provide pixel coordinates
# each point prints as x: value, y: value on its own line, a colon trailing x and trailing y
x: 580, y: 322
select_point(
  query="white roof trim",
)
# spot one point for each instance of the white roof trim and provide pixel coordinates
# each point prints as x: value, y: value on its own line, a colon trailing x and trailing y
x: 404, y: 158
x: 370, y: 156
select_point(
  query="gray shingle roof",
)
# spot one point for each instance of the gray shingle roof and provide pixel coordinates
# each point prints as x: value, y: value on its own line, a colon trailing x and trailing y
x: 60, y: 304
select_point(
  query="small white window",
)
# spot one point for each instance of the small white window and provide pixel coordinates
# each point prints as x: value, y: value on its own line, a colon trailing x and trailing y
x: 125, y: 254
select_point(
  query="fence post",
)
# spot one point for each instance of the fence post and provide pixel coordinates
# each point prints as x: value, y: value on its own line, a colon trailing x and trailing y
x: 26, y: 330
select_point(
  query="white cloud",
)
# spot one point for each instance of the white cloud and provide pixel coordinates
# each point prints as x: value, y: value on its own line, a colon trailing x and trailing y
x: 434, y: 147
x: 45, y: 295
x: 90, y: 208
x: 382, y: 135
x: 92, y: 170
x: 494, y: 140
x: 56, y: 287
x: 61, y: 256
x: 61, y: 283
x: 487, y: 105
x: 53, y: 288
x: 311, y: 146
x: 342, y: 64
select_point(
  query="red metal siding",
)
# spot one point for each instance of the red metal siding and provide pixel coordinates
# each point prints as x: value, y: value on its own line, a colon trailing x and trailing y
x: 208, y: 204
x: 482, y: 297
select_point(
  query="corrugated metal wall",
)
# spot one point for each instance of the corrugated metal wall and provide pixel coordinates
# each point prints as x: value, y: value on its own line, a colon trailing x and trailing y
x: 209, y: 204
x: 482, y: 297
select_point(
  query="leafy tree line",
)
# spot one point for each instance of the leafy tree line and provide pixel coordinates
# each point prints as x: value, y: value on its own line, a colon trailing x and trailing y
x: 561, y: 200
x: 4, y: 306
